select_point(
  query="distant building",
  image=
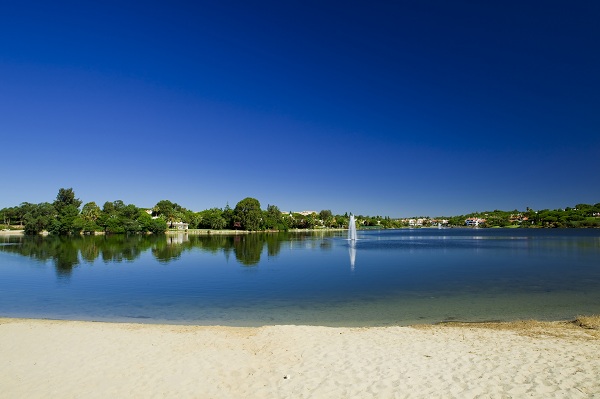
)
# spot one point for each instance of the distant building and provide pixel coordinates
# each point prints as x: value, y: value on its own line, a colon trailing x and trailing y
x: 179, y: 225
x: 306, y: 213
x: 416, y: 222
x: 474, y: 221
x: 518, y: 218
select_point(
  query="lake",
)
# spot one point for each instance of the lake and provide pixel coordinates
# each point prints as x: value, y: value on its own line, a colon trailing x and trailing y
x: 386, y: 277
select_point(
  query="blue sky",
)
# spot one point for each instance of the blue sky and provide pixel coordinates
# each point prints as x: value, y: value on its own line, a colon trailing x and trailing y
x: 388, y: 108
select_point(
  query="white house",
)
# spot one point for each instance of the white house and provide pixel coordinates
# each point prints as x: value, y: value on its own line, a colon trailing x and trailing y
x: 474, y: 221
x: 179, y: 225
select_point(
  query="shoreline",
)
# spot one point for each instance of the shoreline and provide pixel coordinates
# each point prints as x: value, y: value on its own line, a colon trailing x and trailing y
x: 242, y: 232
x: 57, y: 359
x: 12, y: 232
x: 586, y: 322
x: 197, y: 232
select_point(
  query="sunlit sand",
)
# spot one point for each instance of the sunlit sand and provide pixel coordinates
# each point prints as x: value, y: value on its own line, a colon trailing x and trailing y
x: 65, y: 359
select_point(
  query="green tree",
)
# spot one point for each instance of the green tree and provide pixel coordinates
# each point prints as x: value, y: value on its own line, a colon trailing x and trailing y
x: 130, y: 212
x: 192, y: 218
x: 341, y: 221
x: 64, y: 223
x: 296, y: 221
x: 90, y: 212
x: 213, y: 219
x: 38, y: 218
x: 327, y: 217
x: 325, y: 214
x: 148, y: 224
x: 67, y: 210
x: 16, y: 215
x: 64, y: 198
x: 87, y: 221
x: 118, y: 218
x: 170, y: 211
x: 310, y: 221
x: 249, y: 213
x: 228, y: 216
x: 272, y: 218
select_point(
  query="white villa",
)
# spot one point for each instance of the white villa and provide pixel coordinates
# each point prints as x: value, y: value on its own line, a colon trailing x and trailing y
x: 474, y: 221
x: 179, y: 225
x: 415, y: 222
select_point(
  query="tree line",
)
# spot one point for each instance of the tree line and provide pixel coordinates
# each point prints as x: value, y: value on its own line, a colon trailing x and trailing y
x: 579, y: 216
x: 66, y: 216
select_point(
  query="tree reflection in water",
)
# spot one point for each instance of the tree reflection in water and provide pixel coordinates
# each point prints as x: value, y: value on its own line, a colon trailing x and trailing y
x: 67, y: 253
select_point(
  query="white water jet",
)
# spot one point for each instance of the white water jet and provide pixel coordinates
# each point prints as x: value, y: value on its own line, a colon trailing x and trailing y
x: 352, y: 229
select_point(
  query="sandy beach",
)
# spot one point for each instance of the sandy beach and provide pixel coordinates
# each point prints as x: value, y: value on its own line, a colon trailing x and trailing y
x: 71, y: 359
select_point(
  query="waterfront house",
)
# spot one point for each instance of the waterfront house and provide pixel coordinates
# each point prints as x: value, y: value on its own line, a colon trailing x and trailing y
x: 474, y: 222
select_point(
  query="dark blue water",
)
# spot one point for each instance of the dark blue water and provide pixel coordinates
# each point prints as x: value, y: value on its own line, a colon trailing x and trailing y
x: 388, y: 277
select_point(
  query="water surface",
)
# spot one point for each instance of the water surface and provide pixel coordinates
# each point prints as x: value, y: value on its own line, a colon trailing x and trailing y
x: 388, y: 277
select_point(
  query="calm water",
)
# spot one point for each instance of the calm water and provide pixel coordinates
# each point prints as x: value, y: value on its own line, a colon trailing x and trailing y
x: 391, y: 277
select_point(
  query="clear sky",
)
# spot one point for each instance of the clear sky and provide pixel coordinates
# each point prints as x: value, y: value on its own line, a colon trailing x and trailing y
x: 397, y: 108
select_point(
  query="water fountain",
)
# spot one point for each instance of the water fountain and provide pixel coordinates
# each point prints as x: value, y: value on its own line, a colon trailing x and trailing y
x: 352, y: 229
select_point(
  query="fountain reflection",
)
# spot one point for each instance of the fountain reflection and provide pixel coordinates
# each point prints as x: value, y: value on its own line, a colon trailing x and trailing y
x: 352, y: 252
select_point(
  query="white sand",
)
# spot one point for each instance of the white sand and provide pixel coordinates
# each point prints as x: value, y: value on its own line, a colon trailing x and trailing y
x: 63, y: 359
